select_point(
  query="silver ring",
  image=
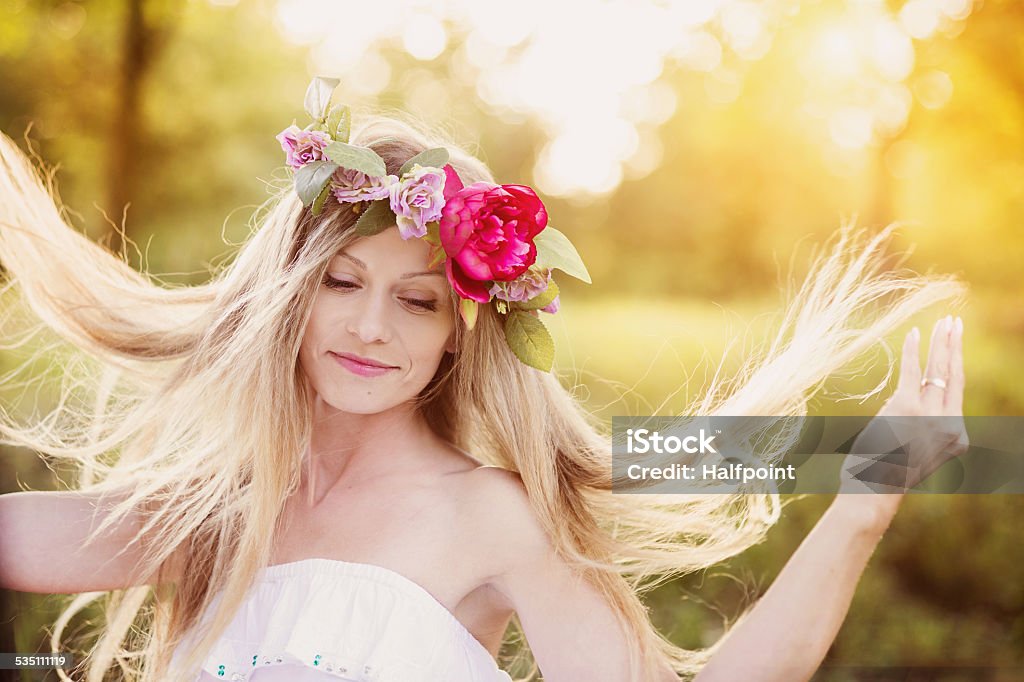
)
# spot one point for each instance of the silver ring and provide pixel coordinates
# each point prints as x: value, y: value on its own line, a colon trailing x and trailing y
x: 934, y: 381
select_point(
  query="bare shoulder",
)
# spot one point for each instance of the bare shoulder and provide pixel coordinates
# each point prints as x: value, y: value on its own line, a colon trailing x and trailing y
x: 561, y: 612
x: 496, y: 495
x: 501, y: 518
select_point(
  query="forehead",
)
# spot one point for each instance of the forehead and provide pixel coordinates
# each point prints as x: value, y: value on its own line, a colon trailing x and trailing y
x: 388, y: 253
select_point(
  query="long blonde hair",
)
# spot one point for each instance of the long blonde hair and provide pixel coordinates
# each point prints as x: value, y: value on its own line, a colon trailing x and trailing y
x: 193, y: 401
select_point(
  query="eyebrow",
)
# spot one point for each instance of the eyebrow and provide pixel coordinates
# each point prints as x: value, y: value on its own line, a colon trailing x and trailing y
x: 408, y: 275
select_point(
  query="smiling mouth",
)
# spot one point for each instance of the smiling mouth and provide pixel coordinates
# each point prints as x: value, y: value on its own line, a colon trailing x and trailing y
x: 361, y: 366
x: 364, y: 361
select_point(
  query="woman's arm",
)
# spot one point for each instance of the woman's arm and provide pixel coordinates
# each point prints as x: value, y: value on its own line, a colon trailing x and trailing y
x: 574, y: 634
x: 787, y: 634
x: 42, y: 544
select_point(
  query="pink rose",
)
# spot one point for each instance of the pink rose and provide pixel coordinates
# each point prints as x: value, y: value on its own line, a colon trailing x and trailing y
x: 528, y: 285
x: 350, y: 186
x: 302, y: 146
x: 417, y: 199
x: 487, y: 233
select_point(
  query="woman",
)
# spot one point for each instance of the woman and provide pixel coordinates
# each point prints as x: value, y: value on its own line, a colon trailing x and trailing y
x: 333, y: 459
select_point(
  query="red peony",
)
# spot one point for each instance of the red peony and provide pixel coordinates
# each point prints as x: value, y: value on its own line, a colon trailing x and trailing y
x: 487, y: 232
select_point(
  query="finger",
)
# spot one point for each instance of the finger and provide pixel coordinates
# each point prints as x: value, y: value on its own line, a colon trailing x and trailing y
x: 932, y: 396
x: 955, y: 386
x: 910, y: 365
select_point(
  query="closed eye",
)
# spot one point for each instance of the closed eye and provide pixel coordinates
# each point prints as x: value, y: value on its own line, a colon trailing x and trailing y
x: 332, y: 283
x: 344, y: 285
x: 424, y: 305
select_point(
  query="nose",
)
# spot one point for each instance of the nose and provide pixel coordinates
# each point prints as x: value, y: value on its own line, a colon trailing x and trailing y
x: 369, y: 319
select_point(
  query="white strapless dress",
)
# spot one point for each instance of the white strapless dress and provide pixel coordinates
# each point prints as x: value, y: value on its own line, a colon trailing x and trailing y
x: 318, y: 620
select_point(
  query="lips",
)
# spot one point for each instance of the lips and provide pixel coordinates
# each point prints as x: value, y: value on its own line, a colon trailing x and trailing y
x: 360, y: 366
x: 369, y: 362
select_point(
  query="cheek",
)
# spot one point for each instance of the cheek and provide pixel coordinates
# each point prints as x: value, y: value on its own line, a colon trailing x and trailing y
x: 307, y: 355
x: 428, y: 341
x: 313, y: 335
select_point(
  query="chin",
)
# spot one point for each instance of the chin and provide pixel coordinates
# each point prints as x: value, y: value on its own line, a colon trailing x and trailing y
x: 354, y: 398
x: 353, y: 403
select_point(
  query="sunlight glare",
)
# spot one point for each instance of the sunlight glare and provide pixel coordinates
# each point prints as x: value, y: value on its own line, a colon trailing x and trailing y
x: 698, y: 51
x: 851, y: 128
x: 892, y: 107
x: 957, y: 10
x: 893, y: 53
x: 933, y: 89
x: 743, y: 24
x: 573, y: 164
x: 920, y: 18
x: 837, y: 51
x: 424, y: 37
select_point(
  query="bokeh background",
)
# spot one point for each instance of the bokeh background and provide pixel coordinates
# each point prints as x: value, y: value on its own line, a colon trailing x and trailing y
x: 695, y: 151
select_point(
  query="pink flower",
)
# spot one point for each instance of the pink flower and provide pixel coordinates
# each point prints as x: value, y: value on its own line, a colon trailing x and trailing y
x: 350, y: 186
x: 302, y: 146
x: 417, y: 199
x: 487, y: 232
x: 530, y: 284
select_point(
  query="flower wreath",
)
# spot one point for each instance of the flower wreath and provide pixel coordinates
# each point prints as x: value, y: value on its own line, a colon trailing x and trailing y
x: 494, y: 240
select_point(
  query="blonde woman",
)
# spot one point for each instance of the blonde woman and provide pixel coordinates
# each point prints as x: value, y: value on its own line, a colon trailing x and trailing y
x: 332, y: 461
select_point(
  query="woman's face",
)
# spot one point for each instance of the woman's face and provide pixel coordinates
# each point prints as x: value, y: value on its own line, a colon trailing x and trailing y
x: 380, y: 325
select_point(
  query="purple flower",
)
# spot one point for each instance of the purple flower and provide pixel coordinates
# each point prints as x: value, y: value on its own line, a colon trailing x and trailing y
x: 350, y: 186
x: 530, y: 284
x: 418, y: 199
x: 302, y: 146
x: 551, y: 307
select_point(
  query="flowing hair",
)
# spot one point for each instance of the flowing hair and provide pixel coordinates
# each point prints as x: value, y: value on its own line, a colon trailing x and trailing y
x: 187, y: 405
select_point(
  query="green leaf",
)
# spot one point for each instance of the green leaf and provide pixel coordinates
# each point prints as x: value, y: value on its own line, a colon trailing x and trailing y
x: 436, y: 158
x: 321, y: 199
x: 529, y: 340
x: 540, y: 300
x: 339, y: 123
x: 356, y: 158
x: 555, y: 251
x: 376, y: 218
x: 467, y: 310
x: 433, y: 235
x: 318, y: 96
x: 311, y: 179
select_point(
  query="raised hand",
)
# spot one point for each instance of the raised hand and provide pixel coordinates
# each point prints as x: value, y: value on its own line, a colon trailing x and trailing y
x: 934, y: 431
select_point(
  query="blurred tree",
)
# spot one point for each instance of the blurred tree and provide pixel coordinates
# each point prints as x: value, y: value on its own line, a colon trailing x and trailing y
x: 147, y: 27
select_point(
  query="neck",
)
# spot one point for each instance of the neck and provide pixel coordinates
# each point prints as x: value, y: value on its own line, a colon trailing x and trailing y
x: 360, y: 446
